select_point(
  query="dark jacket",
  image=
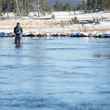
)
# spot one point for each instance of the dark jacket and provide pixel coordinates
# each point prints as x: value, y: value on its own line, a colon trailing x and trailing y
x: 18, y: 31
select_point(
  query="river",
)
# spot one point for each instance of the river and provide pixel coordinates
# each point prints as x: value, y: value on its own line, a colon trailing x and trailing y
x: 55, y: 74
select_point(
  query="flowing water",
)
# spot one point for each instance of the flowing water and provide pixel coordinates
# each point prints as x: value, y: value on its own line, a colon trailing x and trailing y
x: 55, y: 74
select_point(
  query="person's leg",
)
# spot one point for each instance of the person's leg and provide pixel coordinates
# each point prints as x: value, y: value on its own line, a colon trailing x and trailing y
x: 16, y: 40
x: 19, y: 41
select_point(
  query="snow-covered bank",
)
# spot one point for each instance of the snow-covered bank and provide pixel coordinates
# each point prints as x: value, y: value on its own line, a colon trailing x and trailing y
x: 61, y: 24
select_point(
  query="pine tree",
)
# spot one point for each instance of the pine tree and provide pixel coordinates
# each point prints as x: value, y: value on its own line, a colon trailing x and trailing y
x: 95, y: 4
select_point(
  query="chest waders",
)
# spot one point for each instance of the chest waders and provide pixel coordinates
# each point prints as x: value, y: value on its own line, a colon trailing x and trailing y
x: 18, y: 40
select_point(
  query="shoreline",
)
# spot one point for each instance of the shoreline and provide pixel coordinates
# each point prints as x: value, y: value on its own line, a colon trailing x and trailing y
x: 57, y: 27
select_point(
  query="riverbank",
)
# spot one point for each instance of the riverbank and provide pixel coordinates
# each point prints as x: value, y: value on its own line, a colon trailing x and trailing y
x: 60, y: 25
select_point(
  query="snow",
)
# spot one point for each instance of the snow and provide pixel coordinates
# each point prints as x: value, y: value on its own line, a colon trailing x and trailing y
x: 80, y: 15
x: 44, y: 26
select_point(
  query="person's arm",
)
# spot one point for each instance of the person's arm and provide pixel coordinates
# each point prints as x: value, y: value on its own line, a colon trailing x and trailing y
x: 21, y: 31
x: 14, y: 30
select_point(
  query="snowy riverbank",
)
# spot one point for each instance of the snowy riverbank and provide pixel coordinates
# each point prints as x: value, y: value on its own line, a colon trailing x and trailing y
x: 61, y: 24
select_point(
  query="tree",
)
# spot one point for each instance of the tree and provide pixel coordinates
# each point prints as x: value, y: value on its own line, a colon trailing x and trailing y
x: 59, y: 6
x: 94, y: 4
x: 23, y: 7
x: 106, y: 4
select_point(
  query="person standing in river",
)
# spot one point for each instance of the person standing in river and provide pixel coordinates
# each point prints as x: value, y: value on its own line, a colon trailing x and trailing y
x: 18, y: 31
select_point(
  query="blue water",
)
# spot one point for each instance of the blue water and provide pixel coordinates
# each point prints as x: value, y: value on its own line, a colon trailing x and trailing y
x: 55, y: 74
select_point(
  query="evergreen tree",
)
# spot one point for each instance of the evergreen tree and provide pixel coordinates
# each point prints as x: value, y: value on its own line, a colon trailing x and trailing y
x: 95, y: 4
x: 25, y: 6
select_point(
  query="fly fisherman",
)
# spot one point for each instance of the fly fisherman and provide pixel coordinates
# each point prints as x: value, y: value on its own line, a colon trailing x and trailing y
x: 18, y: 31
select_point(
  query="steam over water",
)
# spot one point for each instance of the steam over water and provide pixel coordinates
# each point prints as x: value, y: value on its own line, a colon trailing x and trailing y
x: 58, y: 74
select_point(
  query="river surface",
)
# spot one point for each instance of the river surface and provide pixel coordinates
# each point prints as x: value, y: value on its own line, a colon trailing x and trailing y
x: 55, y: 74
